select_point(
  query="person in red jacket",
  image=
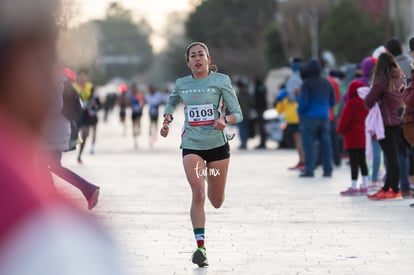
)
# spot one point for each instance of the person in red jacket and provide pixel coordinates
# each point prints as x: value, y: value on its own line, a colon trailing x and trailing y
x: 352, y: 127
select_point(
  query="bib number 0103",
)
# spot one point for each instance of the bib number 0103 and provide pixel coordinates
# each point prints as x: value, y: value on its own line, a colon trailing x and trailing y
x: 200, y: 115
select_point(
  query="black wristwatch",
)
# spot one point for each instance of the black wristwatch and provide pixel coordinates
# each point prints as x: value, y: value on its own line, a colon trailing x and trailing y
x: 225, y: 119
x: 169, y: 121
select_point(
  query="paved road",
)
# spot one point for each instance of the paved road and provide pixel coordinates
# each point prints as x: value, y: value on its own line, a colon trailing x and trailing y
x: 271, y: 223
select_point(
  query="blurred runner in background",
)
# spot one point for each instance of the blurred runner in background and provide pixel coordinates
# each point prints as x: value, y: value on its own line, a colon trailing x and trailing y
x: 137, y: 104
x: 154, y: 99
x: 123, y: 105
x: 91, y: 105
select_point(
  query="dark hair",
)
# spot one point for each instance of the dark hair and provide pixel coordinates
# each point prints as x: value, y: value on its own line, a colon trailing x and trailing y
x: 394, y: 46
x: 213, y: 68
x: 385, y: 69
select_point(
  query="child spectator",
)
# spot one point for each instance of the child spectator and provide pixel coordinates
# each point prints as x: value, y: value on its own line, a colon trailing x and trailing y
x: 352, y: 127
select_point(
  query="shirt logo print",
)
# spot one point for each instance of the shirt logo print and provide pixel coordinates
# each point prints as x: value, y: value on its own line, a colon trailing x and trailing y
x: 193, y: 91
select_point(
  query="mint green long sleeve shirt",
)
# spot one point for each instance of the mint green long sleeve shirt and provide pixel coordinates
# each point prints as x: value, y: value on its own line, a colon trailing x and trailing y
x: 205, y: 101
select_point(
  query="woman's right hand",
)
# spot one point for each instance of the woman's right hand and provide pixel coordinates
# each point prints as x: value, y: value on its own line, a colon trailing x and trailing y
x: 165, y: 129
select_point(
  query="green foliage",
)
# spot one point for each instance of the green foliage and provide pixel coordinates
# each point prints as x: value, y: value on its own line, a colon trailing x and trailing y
x: 350, y: 33
x: 120, y: 36
x: 275, y: 55
x: 234, y: 31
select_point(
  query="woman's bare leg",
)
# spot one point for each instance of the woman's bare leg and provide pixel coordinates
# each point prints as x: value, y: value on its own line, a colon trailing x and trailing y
x: 217, y: 178
x: 194, y: 167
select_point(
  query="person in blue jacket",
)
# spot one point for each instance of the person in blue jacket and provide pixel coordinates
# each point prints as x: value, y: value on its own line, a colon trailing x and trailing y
x: 315, y: 100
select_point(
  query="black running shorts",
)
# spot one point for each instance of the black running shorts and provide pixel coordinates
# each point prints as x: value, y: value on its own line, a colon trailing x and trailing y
x: 211, y: 155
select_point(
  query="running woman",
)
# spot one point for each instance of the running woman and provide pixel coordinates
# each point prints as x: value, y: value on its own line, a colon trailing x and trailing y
x: 205, y: 149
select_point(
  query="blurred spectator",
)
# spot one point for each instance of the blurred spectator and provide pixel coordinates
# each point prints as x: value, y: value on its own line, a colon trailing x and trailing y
x: 315, y: 100
x: 352, y: 126
x: 385, y: 89
x: 408, y: 97
x: 260, y: 99
x: 246, y: 104
x: 367, y: 69
x: 287, y: 104
x: 40, y: 232
x: 336, y: 149
x: 394, y: 47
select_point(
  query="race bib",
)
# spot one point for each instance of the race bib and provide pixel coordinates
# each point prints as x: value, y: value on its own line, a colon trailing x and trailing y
x: 200, y: 115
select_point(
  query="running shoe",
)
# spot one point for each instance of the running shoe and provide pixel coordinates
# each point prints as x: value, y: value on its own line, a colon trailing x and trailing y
x: 200, y: 257
x: 80, y: 160
x: 382, y: 195
x: 396, y: 195
x: 378, y: 195
x: 351, y: 192
x: 299, y: 166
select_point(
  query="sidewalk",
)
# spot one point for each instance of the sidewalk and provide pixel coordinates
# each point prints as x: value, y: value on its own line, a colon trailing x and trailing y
x: 272, y: 222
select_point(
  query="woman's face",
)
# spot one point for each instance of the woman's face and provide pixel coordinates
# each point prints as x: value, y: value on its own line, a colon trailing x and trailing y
x: 198, y: 61
x: 29, y: 81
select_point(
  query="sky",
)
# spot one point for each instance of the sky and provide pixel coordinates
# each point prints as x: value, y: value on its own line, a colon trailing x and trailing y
x: 154, y: 11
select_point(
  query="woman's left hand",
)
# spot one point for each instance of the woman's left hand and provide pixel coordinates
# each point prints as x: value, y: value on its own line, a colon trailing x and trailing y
x: 220, y: 124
